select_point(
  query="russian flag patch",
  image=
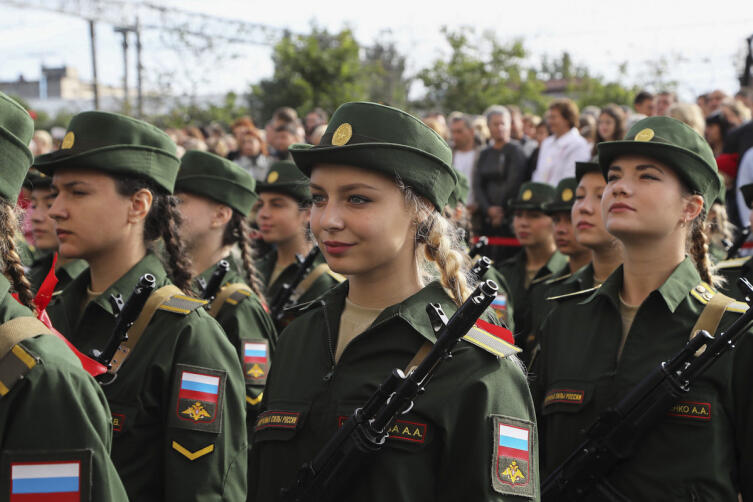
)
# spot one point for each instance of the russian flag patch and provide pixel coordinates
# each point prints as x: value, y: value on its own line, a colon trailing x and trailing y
x: 256, y: 361
x: 198, y: 396
x: 46, y: 476
x: 512, y: 467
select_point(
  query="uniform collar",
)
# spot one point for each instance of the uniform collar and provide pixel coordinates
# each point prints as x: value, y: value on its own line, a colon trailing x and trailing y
x: 674, y: 290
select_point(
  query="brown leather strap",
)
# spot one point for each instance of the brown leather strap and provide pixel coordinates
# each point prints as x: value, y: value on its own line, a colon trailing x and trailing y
x: 154, y: 302
x: 224, y: 295
x: 19, y: 329
x: 306, y: 283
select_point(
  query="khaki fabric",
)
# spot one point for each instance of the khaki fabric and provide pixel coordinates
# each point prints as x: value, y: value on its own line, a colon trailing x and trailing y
x: 354, y: 321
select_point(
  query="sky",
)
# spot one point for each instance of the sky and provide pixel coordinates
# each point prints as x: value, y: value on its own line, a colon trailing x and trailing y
x: 701, y: 40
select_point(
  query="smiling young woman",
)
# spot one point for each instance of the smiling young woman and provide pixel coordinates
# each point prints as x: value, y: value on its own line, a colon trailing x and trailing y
x: 378, y: 179
x: 599, y: 343
x: 179, y: 395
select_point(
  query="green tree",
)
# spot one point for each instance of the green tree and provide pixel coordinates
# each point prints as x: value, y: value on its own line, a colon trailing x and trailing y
x: 319, y: 69
x: 480, y: 71
x: 384, y: 72
x: 183, y: 115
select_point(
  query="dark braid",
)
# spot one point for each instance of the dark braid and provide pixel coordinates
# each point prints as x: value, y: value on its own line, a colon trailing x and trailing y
x: 14, y: 268
x: 239, y: 231
x: 162, y: 221
x: 699, y: 248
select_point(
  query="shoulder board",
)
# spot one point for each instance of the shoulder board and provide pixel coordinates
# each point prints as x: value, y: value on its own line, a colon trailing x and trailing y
x: 494, y: 339
x: 703, y: 292
x: 559, y: 279
x: 339, y: 278
x: 14, y: 366
x: 582, y: 292
x: 737, y: 307
x: 733, y: 263
x: 541, y: 279
x: 182, y: 304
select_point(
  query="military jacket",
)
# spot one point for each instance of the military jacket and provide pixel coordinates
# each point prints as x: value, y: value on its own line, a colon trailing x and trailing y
x: 514, y: 270
x: 178, y: 402
x: 55, y: 412
x: 41, y: 265
x: 703, y: 448
x: 733, y: 269
x: 450, y: 446
x: 251, y: 331
x: 266, y: 264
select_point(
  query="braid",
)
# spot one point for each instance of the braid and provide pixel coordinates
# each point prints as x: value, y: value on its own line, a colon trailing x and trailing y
x: 452, y: 264
x: 14, y: 268
x: 180, y: 264
x: 239, y: 231
x: 699, y: 248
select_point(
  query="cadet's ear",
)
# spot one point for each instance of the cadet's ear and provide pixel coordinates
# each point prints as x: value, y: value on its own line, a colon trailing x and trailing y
x: 141, y: 203
x: 693, y: 207
x: 222, y: 215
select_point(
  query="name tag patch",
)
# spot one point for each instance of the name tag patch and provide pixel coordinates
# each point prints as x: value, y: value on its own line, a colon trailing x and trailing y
x: 513, y: 443
x: 401, y: 430
x: 691, y: 410
x: 118, y: 421
x: 567, y: 396
x: 277, y: 420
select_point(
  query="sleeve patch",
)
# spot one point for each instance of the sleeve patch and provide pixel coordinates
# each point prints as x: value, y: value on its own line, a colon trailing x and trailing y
x: 256, y: 361
x: 63, y: 475
x: 512, y: 467
x: 192, y: 455
x: 198, y: 397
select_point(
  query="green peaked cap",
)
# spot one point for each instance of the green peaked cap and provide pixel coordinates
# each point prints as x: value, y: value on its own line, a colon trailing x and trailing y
x: 16, y: 130
x: 284, y: 177
x: 673, y: 143
x: 216, y: 178
x: 460, y: 193
x: 583, y: 168
x: 532, y: 195
x: 564, y: 196
x: 35, y: 180
x: 116, y: 144
x: 386, y: 140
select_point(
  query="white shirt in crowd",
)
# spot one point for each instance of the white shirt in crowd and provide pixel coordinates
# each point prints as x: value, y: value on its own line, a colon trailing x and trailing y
x: 463, y: 162
x: 557, y: 157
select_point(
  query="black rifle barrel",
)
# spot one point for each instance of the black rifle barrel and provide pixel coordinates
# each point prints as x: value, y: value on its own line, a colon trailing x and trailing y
x: 481, y: 267
x: 365, y: 431
x: 738, y: 243
x: 126, y: 318
x: 215, y: 280
x: 480, y: 245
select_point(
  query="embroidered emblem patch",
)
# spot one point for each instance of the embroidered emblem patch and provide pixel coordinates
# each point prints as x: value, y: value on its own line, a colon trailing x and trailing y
x: 527, y: 195
x: 511, y: 463
x: 255, y: 362
x: 198, y: 395
x: 342, y: 134
x: 567, y: 195
x: 278, y: 420
x: 68, y: 141
x: 691, y: 410
x: 273, y: 176
x: 118, y: 421
x: 568, y: 396
x: 60, y: 475
x: 645, y: 135
x: 401, y: 430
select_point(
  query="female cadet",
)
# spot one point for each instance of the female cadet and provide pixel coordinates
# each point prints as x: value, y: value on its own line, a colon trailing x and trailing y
x: 599, y: 344
x: 379, y: 178
x: 282, y: 214
x: 175, y: 389
x: 50, y: 409
x: 215, y: 196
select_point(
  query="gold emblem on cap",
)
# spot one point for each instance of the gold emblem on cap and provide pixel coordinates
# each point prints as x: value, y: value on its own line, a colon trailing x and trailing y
x: 645, y: 135
x: 527, y: 194
x: 273, y: 176
x: 567, y: 195
x: 68, y: 141
x: 342, y: 134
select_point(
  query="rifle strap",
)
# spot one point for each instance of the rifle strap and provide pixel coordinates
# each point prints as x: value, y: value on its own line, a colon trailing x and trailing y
x: 711, y: 316
x: 155, y: 301
x: 15, y: 360
x: 19, y: 329
x: 307, y: 281
x: 419, y: 357
x: 229, y: 293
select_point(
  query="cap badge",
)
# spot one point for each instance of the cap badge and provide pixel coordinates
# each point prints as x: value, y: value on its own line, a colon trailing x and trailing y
x: 527, y: 194
x: 273, y: 176
x: 567, y: 195
x: 68, y: 141
x: 645, y: 135
x: 342, y: 134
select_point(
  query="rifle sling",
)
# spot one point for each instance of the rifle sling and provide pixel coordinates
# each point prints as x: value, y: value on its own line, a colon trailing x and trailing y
x: 307, y: 281
x: 155, y: 301
x: 419, y: 357
x: 711, y: 317
x: 19, y: 329
x: 224, y: 295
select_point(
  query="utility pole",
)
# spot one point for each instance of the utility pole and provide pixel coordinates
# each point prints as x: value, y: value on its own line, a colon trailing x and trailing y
x: 95, y: 81
x: 746, y: 77
x: 124, y: 31
x: 139, y: 68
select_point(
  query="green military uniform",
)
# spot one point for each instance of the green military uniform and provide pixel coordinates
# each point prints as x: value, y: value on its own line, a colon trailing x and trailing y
x: 285, y: 178
x: 451, y: 429
x: 65, y: 273
x: 703, y: 447
x: 177, y: 402
x: 532, y: 196
x: 26, y: 251
x: 732, y: 269
x: 51, y: 410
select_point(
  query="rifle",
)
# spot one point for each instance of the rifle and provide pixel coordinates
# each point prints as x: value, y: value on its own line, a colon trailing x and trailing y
x: 209, y: 289
x: 480, y: 245
x: 612, y: 437
x: 365, y: 431
x: 733, y: 249
x: 481, y: 267
x: 127, y: 313
x: 281, y: 299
